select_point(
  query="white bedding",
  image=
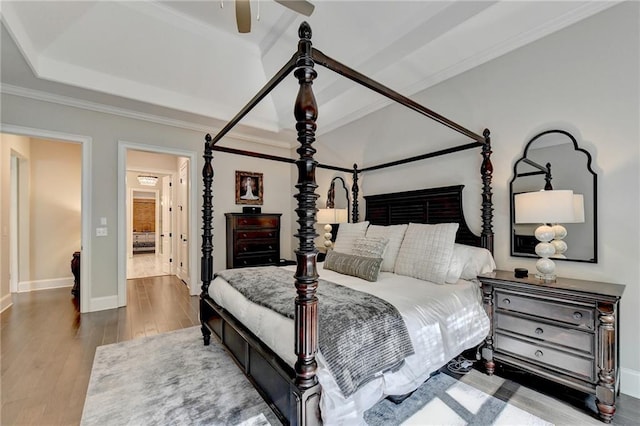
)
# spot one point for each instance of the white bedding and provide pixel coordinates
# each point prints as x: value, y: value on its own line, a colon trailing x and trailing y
x: 442, y: 320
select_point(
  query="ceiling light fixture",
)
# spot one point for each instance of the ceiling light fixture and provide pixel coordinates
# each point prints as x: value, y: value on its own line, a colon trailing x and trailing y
x: 147, y: 180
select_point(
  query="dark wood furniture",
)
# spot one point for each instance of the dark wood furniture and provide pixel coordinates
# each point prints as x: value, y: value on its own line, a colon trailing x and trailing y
x: 252, y: 239
x: 294, y: 393
x: 565, y: 331
x: 75, y: 270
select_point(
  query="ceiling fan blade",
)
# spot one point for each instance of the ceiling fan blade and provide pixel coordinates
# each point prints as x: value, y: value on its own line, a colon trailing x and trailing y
x: 301, y: 6
x: 243, y: 15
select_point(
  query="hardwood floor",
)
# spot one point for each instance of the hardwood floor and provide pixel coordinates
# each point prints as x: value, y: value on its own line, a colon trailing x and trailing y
x: 48, y: 346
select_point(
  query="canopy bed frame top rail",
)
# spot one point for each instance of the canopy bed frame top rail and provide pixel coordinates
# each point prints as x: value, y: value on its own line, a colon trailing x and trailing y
x: 302, y: 63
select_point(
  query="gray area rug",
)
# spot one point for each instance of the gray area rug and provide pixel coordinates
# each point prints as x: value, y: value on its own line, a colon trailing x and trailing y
x: 158, y: 380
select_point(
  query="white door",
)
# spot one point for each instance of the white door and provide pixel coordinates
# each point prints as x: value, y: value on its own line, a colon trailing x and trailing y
x: 183, y: 223
x: 166, y: 228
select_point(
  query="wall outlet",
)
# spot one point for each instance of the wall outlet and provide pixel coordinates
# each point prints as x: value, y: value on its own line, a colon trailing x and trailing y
x: 101, y: 232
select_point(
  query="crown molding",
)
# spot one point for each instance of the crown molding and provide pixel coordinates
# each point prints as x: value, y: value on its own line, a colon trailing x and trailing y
x: 123, y: 112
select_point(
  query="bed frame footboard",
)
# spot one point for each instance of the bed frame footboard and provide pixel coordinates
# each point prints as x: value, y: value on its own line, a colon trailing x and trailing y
x: 274, y: 380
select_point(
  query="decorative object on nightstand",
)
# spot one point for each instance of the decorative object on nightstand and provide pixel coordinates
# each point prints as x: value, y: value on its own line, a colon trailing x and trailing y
x: 329, y: 217
x: 549, y: 207
x: 565, y: 331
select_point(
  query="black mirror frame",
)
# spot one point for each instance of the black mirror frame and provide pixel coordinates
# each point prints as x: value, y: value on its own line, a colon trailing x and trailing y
x: 595, y: 197
x: 331, y: 195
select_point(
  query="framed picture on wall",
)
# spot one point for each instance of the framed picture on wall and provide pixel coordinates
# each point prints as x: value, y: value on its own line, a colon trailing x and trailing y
x: 249, y: 188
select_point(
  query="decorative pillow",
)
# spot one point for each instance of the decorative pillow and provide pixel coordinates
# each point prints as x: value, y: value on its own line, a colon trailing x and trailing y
x: 395, y: 234
x: 370, y: 247
x: 366, y: 268
x: 468, y: 262
x: 347, y: 234
x: 426, y: 251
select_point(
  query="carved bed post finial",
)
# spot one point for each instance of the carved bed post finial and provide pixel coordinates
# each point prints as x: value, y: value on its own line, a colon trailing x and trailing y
x: 206, y: 262
x: 548, y: 186
x: 306, y: 276
x: 355, y: 190
x: 487, y: 204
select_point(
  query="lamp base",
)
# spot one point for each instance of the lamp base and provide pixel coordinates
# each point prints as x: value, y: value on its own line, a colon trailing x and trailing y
x: 547, y: 278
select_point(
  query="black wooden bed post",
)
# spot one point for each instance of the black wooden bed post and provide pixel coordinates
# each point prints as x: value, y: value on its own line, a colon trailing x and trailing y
x: 355, y: 190
x: 487, y: 204
x: 306, y: 276
x: 206, y: 262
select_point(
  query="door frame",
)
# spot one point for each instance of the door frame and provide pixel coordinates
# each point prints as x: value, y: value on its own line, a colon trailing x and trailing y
x: 123, y: 146
x: 85, y: 203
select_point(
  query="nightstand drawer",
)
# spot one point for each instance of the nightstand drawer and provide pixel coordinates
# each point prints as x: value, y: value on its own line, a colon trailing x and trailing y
x: 571, y: 338
x: 573, y: 365
x: 569, y: 314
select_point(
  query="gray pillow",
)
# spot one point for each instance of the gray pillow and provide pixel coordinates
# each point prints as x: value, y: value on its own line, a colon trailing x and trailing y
x: 366, y: 268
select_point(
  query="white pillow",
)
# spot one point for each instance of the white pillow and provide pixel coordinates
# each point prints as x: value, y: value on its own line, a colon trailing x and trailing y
x: 468, y: 262
x: 426, y: 251
x: 395, y: 234
x: 370, y: 247
x: 348, y: 233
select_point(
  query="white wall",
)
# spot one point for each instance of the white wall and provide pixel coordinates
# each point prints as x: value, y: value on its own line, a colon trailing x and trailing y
x: 584, y: 79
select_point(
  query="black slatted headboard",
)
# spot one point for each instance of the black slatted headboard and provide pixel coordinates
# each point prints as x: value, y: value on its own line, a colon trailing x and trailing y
x: 433, y: 205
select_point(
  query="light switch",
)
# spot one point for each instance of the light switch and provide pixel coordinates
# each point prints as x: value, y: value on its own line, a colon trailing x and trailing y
x: 101, y: 232
x: 103, y: 221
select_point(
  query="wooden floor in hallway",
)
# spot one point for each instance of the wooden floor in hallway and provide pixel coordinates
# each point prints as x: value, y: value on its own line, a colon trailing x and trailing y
x: 48, y: 346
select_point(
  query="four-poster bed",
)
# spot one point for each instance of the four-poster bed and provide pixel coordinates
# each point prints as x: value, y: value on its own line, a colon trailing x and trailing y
x: 291, y: 387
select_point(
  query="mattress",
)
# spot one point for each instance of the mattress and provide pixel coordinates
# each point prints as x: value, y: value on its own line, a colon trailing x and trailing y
x: 442, y: 320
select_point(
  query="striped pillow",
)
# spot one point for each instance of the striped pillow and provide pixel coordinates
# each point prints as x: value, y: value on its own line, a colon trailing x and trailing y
x: 366, y: 268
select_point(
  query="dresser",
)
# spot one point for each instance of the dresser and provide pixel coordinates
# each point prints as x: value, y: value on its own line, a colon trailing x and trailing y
x: 252, y: 239
x: 565, y: 331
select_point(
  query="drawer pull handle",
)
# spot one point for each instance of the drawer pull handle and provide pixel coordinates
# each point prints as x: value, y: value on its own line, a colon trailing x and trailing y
x: 539, y: 353
x: 577, y: 315
x: 506, y: 301
x: 539, y: 330
x: 244, y: 235
x: 270, y: 247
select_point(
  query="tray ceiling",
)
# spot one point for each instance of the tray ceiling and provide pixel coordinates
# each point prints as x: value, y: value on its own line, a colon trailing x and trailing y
x: 185, y: 61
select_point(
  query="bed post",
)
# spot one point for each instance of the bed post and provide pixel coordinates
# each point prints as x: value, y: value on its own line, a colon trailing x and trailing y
x: 206, y: 262
x: 487, y: 204
x: 354, y: 191
x: 306, y: 276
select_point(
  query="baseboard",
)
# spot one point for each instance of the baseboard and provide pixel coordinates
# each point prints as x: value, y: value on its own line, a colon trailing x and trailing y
x: 630, y: 382
x: 103, y: 303
x: 26, y: 286
x: 6, y: 302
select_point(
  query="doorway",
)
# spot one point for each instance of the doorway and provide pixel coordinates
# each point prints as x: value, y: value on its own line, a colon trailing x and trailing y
x: 171, y: 252
x: 27, y: 192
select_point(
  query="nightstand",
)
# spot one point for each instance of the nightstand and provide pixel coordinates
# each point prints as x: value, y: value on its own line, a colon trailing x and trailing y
x: 565, y: 331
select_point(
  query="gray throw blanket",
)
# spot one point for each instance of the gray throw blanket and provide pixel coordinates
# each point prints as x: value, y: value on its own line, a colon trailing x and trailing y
x: 360, y: 334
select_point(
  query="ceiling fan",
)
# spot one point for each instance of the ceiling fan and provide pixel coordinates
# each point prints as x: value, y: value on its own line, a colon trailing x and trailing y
x: 243, y: 11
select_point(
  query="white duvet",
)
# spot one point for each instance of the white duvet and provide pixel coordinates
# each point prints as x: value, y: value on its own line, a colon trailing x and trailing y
x: 443, y: 320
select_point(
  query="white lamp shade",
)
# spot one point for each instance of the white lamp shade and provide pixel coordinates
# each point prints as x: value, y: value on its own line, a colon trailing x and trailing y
x: 578, y: 208
x: 556, y: 206
x: 332, y: 216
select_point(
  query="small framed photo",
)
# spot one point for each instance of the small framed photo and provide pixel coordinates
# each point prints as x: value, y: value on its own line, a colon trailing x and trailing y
x: 249, y: 188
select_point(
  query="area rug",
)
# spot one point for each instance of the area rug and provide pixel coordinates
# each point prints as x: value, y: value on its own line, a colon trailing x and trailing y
x: 159, y: 380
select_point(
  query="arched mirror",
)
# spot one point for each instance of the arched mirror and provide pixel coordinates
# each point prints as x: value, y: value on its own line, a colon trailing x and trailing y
x: 338, y: 196
x: 553, y: 160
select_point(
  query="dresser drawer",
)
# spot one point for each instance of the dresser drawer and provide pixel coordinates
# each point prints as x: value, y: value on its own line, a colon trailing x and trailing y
x: 570, y: 364
x: 572, y: 338
x: 256, y: 234
x: 255, y: 260
x: 252, y: 246
x: 257, y: 222
x: 569, y: 314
